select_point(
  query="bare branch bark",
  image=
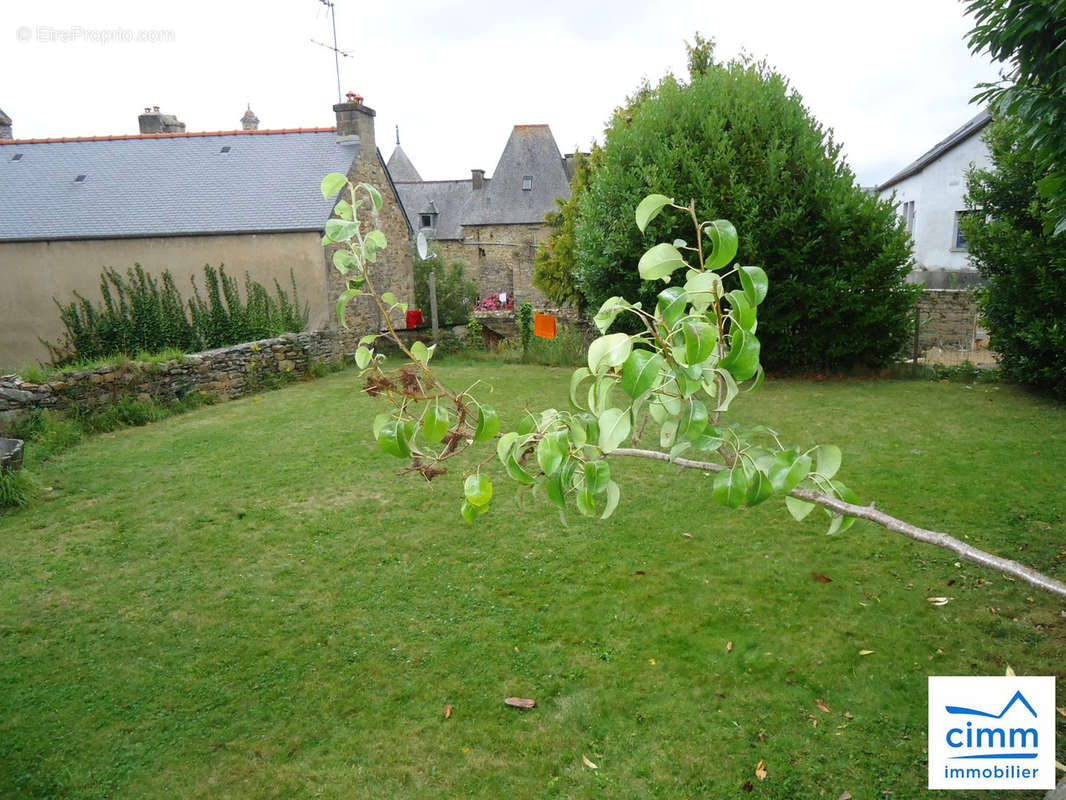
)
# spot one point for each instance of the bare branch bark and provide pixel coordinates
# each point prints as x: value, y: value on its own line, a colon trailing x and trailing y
x: 960, y: 548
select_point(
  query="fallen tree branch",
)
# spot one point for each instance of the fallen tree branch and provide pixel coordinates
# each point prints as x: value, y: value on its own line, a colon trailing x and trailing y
x: 960, y: 548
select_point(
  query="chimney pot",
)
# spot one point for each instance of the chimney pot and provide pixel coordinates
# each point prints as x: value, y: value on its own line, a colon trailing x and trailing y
x: 477, y: 178
x: 155, y: 122
x: 155, y: 109
x: 356, y: 121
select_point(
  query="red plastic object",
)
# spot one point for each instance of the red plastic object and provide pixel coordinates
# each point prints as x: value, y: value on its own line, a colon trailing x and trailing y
x: 414, y: 318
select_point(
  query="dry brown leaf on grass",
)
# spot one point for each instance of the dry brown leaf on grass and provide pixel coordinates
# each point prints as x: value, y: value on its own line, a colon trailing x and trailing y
x: 729, y: 646
x: 520, y: 702
x: 588, y: 763
x: 747, y: 787
x: 447, y: 711
x: 1062, y: 711
x: 940, y: 601
x: 760, y: 770
x: 821, y: 578
x: 821, y: 704
x: 1010, y: 672
x: 845, y: 796
x: 866, y: 652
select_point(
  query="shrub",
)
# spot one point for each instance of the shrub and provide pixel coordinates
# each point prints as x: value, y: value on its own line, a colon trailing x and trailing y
x: 455, y: 292
x: 739, y: 141
x: 1023, y: 304
x: 525, y: 324
x: 138, y: 313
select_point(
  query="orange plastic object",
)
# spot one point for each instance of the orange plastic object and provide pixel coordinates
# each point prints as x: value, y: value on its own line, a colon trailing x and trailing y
x: 544, y: 326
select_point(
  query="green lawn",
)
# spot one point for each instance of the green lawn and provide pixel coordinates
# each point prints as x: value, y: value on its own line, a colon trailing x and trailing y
x: 245, y: 601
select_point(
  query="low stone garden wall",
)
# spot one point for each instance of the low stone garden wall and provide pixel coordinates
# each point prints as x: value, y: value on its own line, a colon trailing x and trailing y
x: 948, y: 320
x: 223, y: 374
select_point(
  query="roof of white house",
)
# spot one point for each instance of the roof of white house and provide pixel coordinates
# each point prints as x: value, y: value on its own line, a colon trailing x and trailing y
x: 168, y: 184
x: 971, y: 128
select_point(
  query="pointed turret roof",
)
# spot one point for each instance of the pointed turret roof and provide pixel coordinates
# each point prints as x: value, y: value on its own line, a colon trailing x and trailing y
x: 401, y: 168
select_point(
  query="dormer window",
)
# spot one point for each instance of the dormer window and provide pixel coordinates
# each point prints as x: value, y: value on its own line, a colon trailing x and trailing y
x: 527, y: 183
x: 427, y: 220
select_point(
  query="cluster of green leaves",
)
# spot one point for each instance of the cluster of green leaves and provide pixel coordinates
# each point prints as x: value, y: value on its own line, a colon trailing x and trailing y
x: 139, y: 313
x: 1025, y: 265
x: 1030, y: 36
x: 456, y: 293
x: 738, y: 140
x: 691, y: 357
x: 525, y: 324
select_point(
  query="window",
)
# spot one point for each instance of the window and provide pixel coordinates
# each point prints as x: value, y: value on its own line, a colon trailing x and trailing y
x: 527, y: 183
x: 959, y: 241
x: 907, y: 210
x: 225, y: 149
x: 427, y: 220
x: 16, y: 157
x: 79, y: 179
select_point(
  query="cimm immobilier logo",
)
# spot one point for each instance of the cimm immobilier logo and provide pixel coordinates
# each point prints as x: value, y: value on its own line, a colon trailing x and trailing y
x: 991, y: 732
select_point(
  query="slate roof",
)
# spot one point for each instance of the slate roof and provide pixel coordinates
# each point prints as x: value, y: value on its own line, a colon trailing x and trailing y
x: 531, y: 150
x: 4, y: 118
x: 168, y: 184
x: 450, y: 199
x: 974, y: 126
x: 401, y: 168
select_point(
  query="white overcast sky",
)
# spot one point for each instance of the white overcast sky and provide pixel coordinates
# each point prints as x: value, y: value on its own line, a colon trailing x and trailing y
x: 890, y: 78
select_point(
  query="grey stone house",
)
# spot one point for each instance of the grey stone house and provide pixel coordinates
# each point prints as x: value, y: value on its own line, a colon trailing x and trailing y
x: 492, y: 224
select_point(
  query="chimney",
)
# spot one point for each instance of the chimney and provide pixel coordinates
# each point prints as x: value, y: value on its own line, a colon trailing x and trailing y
x: 5, y: 126
x: 355, y: 123
x: 477, y: 178
x: 152, y: 121
x: 250, y: 122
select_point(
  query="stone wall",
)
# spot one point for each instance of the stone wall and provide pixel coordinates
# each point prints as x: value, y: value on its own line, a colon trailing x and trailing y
x: 947, y: 319
x: 223, y: 374
x: 501, y: 258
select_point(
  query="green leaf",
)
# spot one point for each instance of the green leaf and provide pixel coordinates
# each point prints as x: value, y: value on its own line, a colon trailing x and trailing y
x: 422, y: 353
x: 468, y: 512
x: 379, y: 422
x: 609, y: 351
x: 731, y: 390
x: 340, y: 230
x: 668, y: 434
x: 333, y: 183
x: 375, y: 239
x: 342, y: 304
x: 700, y: 339
x: 640, y: 372
x: 363, y: 356
x: 597, y: 476
x: 659, y: 262
x: 743, y: 357
x: 724, y: 243
x: 581, y: 374
x: 375, y: 195
x: 610, y: 309
x: 702, y: 288
x: 649, y: 208
x: 389, y: 299
x: 586, y: 502
x: 393, y: 439
x: 344, y: 210
x: 488, y: 424
x: 556, y: 490
x: 730, y: 487
x: 515, y: 470
x: 788, y: 471
x: 551, y: 450
x: 435, y: 424
x: 614, y: 428
x: 613, y: 496
x: 671, y: 306
x: 755, y: 284
x: 828, y: 458
x: 742, y: 311
x: 799, y: 509
x: 679, y: 448
x: 693, y: 419
x: 344, y: 261
x: 477, y: 489
x: 707, y: 441
x: 759, y: 488
x: 504, y: 446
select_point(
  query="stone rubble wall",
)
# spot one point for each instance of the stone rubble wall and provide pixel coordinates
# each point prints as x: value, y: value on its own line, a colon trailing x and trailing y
x: 948, y: 319
x: 223, y: 374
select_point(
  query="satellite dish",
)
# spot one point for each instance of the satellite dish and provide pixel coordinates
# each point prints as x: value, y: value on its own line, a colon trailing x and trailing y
x: 422, y: 245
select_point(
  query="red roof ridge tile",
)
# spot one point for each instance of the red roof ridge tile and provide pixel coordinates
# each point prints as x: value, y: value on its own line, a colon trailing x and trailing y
x: 119, y: 136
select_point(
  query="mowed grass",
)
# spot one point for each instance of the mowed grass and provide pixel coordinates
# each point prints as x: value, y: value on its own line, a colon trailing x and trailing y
x: 246, y: 601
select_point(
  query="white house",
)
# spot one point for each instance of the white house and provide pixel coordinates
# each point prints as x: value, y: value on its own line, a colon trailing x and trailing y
x: 929, y: 196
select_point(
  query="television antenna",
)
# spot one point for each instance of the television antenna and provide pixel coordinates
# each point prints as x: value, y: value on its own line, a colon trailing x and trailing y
x: 337, y: 52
